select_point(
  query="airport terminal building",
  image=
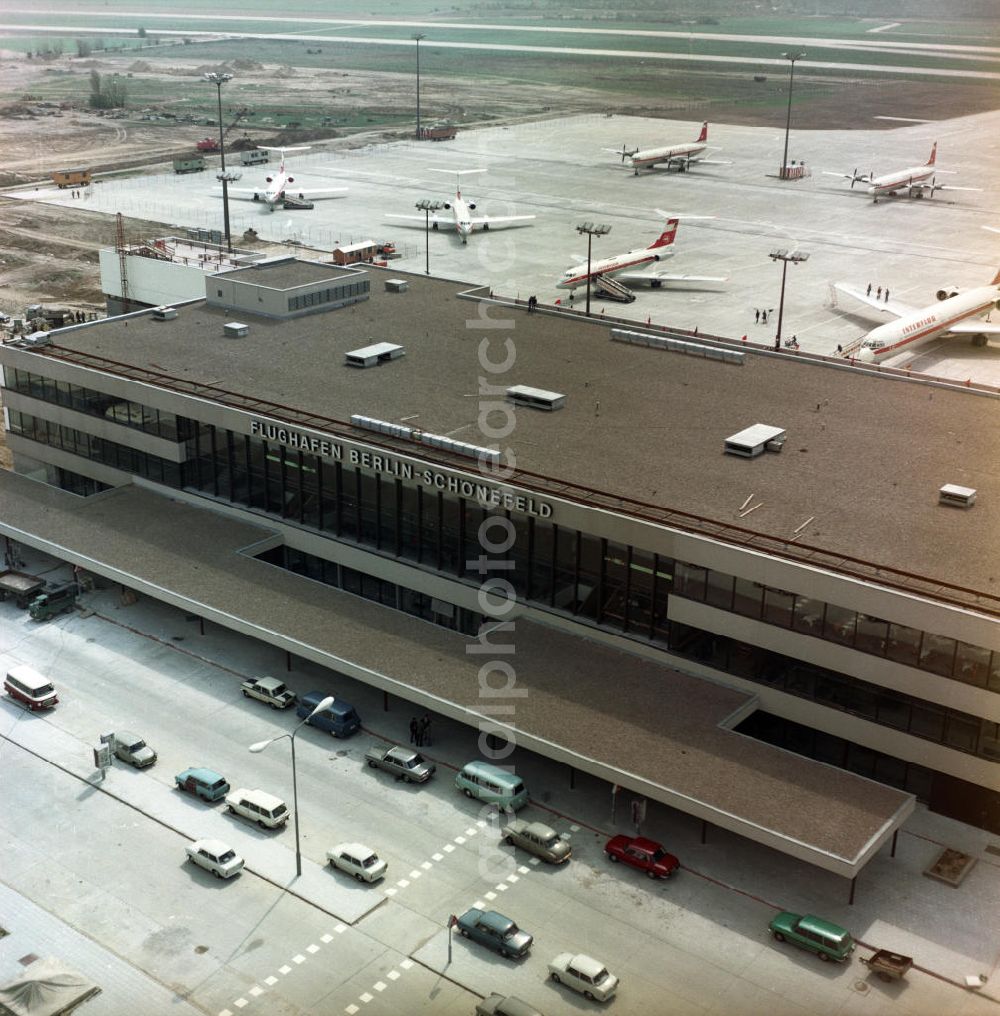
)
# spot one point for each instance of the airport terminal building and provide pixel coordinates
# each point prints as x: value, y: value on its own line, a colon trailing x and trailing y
x: 724, y: 579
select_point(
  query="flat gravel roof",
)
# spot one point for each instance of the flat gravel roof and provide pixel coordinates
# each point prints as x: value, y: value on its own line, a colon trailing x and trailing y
x: 608, y: 712
x: 864, y: 457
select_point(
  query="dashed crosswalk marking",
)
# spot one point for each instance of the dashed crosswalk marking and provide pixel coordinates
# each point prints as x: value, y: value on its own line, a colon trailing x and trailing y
x: 351, y: 1010
x: 491, y: 895
x: 326, y: 939
x: 403, y: 883
x: 415, y: 874
x: 448, y: 848
x: 380, y: 985
x: 312, y: 948
x: 269, y: 981
x: 340, y: 929
x: 240, y: 1003
x: 256, y: 991
x: 366, y: 998
x: 437, y: 857
x: 393, y: 975
x: 299, y: 958
x: 406, y: 964
x: 285, y: 969
x: 427, y: 865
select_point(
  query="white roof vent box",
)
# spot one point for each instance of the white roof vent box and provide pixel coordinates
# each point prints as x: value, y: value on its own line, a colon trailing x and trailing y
x: 235, y: 330
x: 397, y: 285
x: 371, y: 356
x: 957, y: 497
x: 755, y: 441
x: 535, y: 398
x: 164, y: 313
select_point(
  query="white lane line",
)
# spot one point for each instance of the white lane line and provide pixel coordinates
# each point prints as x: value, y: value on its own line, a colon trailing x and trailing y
x: 502, y: 887
x: 448, y: 848
x: 524, y: 871
x: 427, y: 865
x: 490, y: 896
x: 240, y: 1003
x: 512, y: 879
x: 459, y: 840
x: 415, y: 874
x: 340, y: 929
x: 391, y: 891
x: 225, y: 1012
x: 403, y: 883
x: 471, y: 832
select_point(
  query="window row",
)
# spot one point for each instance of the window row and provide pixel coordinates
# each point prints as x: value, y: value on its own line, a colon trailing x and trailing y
x: 939, y: 654
x: 78, y: 442
x: 94, y: 403
x: 319, y: 297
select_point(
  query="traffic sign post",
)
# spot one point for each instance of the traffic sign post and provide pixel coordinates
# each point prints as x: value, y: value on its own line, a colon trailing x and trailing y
x: 102, y: 758
x: 615, y: 789
x: 638, y: 814
x: 452, y: 921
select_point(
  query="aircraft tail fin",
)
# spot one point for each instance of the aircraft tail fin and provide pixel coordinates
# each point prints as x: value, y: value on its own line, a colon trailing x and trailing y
x: 666, y: 238
x: 703, y: 136
x: 930, y: 161
x: 996, y: 279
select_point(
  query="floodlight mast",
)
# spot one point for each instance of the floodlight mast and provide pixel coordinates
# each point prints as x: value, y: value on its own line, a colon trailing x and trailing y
x: 796, y: 257
x: 219, y: 78
x: 591, y: 229
x: 791, y: 57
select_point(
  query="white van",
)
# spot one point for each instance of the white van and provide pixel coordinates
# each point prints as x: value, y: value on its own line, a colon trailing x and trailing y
x: 264, y: 809
x: 28, y: 686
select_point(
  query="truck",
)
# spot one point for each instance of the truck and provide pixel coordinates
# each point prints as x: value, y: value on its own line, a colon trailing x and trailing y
x: 269, y: 690
x: 207, y: 145
x: 254, y: 157
x: 191, y: 164
x: 52, y: 602
x: 20, y: 586
x: 408, y: 766
x: 439, y: 132
x: 64, y: 178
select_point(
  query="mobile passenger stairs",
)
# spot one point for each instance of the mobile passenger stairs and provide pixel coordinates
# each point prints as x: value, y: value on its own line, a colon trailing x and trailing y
x: 296, y: 204
x: 612, y: 290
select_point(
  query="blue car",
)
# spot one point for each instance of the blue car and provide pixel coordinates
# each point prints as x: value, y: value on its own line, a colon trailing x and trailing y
x: 495, y: 931
x: 340, y: 718
x: 204, y: 783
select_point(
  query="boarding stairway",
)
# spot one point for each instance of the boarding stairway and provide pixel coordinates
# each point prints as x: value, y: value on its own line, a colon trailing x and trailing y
x: 612, y: 290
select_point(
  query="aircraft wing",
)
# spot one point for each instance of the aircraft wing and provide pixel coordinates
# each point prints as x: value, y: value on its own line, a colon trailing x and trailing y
x: 434, y: 220
x: 493, y: 220
x: 975, y: 328
x: 322, y: 192
x: 660, y: 277
x: 240, y: 190
x: 896, y: 308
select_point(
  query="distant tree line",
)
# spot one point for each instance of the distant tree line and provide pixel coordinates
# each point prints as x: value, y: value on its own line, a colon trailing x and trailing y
x: 108, y: 92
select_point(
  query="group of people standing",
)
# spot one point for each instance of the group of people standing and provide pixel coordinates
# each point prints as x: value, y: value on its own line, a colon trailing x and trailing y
x: 878, y: 292
x: 420, y: 731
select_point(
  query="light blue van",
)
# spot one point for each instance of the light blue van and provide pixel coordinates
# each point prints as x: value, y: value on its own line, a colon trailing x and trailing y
x: 492, y: 784
x: 340, y: 718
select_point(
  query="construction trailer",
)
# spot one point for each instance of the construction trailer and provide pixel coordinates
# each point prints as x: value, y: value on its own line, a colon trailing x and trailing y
x: 64, y: 178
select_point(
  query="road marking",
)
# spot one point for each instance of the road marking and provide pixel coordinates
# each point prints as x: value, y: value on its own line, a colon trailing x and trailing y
x: 437, y: 857
x: 225, y: 1012
x: 390, y: 891
x: 312, y: 948
x: 340, y: 929
x: 406, y: 964
x: 326, y: 939
x: 393, y: 975
x: 256, y: 991
x: 535, y: 860
x: 380, y: 985
x: 524, y: 871
x: 415, y: 874
x: 490, y: 896
x: 479, y: 905
x: 502, y: 887
x: 471, y: 832
x: 512, y: 879
x: 269, y: 981
x: 366, y: 998
x: 427, y: 866
x: 284, y: 970
x: 447, y: 848
x: 574, y: 828
x: 240, y: 1003
x: 403, y: 883
x: 459, y: 840
x: 299, y: 958
x: 351, y: 1010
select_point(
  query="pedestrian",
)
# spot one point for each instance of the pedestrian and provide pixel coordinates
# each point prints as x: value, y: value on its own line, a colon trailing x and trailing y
x: 869, y: 293
x: 695, y: 329
x: 763, y: 316
x: 886, y: 294
x: 840, y: 348
x: 743, y: 339
x: 414, y: 730
x: 756, y: 317
x: 425, y: 729
x: 878, y: 293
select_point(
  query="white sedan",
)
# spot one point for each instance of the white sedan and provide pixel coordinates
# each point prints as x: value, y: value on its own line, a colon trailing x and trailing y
x: 215, y: 856
x: 358, y: 860
x: 583, y: 974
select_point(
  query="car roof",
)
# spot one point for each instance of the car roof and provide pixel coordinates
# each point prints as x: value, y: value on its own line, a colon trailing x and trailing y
x: 216, y: 847
x: 357, y: 849
x: 201, y: 773
x: 127, y: 735
x: 314, y: 698
x: 643, y: 844
x: 514, y: 1006
x: 540, y: 829
x: 269, y: 682
x: 257, y: 796
x: 586, y: 964
x: 496, y: 921
x: 826, y: 928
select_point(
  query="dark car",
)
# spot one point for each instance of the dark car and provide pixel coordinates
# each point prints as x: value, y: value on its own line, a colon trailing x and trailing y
x: 339, y: 718
x: 646, y: 855
x: 828, y: 940
x: 495, y: 931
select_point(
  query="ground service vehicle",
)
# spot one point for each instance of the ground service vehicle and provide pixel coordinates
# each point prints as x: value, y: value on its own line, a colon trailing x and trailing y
x: 192, y: 164
x: 21, y: 586
x: 829, y: 941
x: 269, y: 690
x: 64, y: 178
x: 406, y: 765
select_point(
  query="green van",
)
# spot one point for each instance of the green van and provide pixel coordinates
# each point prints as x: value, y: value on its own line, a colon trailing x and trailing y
x: 492, y: 784
x: 829, y: 941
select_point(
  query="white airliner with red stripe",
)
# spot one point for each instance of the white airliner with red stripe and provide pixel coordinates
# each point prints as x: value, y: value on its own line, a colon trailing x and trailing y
x: 622, y: 265
x: 279, y: 187
x: 915, y: 180
x: 678, y: 156
x: 956, y: 313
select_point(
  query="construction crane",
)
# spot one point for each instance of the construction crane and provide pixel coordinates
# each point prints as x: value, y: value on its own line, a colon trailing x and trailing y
x: 241, y: 114
x: 122, y: 250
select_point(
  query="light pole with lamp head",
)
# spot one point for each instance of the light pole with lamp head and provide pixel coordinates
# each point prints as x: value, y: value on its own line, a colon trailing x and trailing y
x: 261, y: 745
x: 791, y: 57
x: 796, y: 257
x: 426, y: 205
x: 218, y: 79
x: 591, y: 229
x: 416, y: 38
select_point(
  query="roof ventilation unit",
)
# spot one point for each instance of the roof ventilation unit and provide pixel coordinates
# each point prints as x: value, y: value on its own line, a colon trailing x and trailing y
x: 381, y: 426
x: 535, y: 398
x: 36, y: 339
x: 675, y: 345
x: 164, y: 313
x: 235, y: 329
x: 958, y: 497
x: 397, y: 285
x: 370, y: 356
x: 755, y: 441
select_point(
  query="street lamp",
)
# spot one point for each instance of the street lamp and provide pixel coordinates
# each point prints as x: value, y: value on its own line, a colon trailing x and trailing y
x: 416, y: 38
x: 784, y: 256
x: 219, y: 79
x: 261, y: 745
x: 791, y: 57
x: 426, y: 205
x: 591, y: 229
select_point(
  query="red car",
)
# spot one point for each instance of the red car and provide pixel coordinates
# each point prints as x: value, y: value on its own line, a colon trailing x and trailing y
x: 646, y: 855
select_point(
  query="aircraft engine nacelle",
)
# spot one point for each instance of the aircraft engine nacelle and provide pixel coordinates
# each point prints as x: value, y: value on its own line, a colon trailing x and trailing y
x: 472, y: 205
x: 291, y: 179
x: 447, y: 205
x: 946, y: 292
x: 656, y: 257
x: 269, y: 179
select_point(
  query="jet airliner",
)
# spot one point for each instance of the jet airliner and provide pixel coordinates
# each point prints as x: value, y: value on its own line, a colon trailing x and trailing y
x: 278, y: 187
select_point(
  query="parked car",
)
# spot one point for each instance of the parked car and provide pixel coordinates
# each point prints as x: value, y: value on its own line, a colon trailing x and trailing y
x: 492, y: 784
x: 505, y: 1005
x: 495, y: 931
x: 358, y: 860
x: 204, y: 783
x: 829, y: 941
x: 215, y: 856
x: 132, y: 748
x: 646, y: 855
x: 268, y: 811
x: 25, y: 685
x: 269, y: 690
x: 340, y: 718
x: 584, y: 974
x: 538, y: 839
x: 406, y: 765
